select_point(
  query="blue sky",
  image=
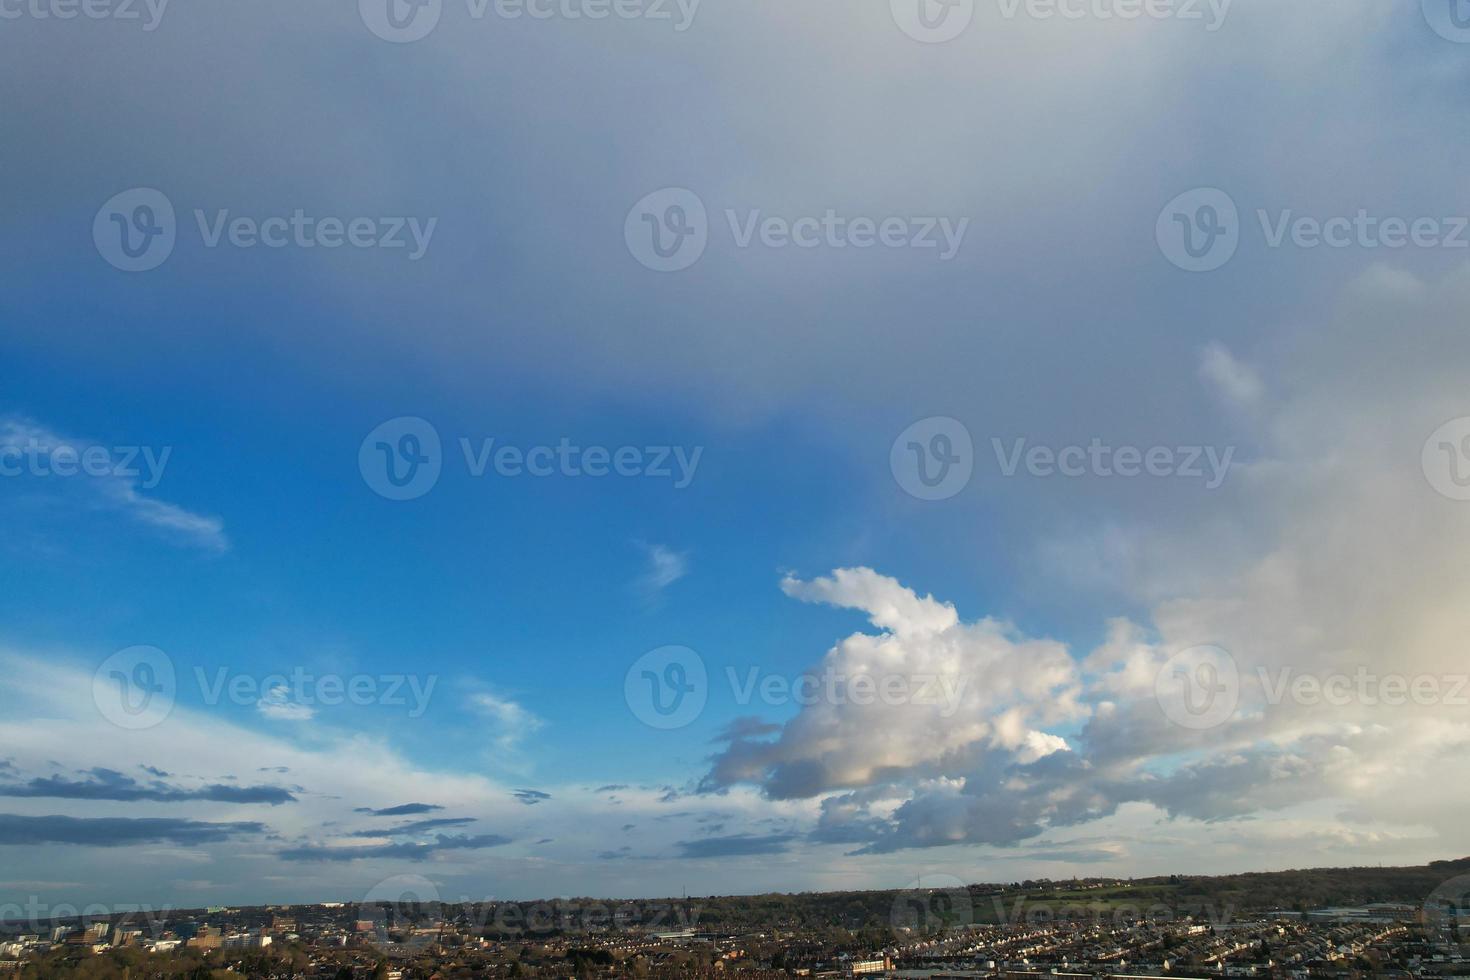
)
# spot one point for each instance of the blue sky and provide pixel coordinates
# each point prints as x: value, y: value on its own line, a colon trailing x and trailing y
x: 797, y: 546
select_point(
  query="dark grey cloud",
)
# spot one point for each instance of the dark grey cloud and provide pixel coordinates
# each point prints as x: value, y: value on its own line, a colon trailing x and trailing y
x: 416, y: 827
x: 117, y: 831
x: 153, y: 771
x: 738, y: 845
x: 108, y: 784
x: 611, y: 788
x: 404, y: 851
x: 531, y: 797
x: 403, y: 810
x: 747, y: 726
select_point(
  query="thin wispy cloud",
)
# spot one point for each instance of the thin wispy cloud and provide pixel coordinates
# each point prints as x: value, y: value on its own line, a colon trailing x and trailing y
x: 510, y: 722
x: 277, y: 706
x: 405, y: 851
x: 663, y: 567
x: 117, y: 479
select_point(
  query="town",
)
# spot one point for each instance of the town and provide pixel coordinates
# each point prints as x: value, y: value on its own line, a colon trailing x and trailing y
x: 1106, y: 929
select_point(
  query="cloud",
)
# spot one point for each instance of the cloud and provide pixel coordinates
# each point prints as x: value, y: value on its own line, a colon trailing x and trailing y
x: 950, y: 688
x: 277, y: 706
x: 531, y: 797
x: 745, y: 727
x: 511, y: 723
x: 106, y: 784
x: 117, y: 831
x: 664, y: 567
x: 403, y: 851
x: 416, y: 827
x: 114, y: 485
x: 739, y: 845
x: 402, y: 810
x: 1237, y: 383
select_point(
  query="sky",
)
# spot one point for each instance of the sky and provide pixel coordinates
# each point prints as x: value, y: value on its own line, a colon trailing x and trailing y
x: 633, y: 449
